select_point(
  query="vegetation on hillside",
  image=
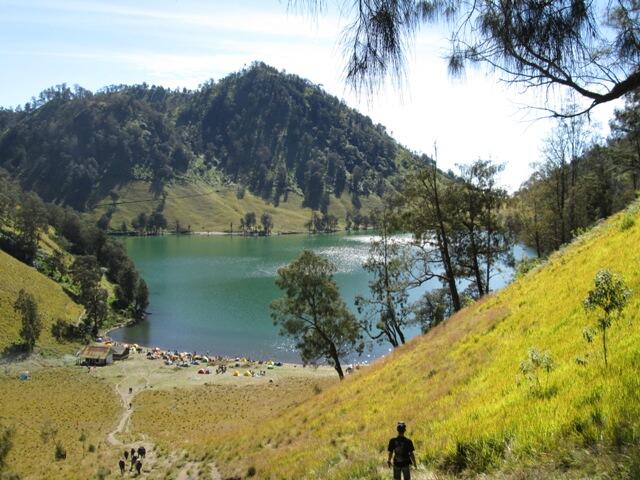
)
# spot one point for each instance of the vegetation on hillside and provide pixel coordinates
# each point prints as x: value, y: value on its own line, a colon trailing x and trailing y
x: 54, y: 305
x: 460, y: 389
x: 54, y: 242
x: 273, y: 133
x: 579, y: 180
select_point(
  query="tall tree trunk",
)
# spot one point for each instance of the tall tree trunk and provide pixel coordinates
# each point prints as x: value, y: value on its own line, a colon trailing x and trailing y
x: 443, y: 243
x: 476, y: 265
x: 604, y: 346
x: 336, y: 361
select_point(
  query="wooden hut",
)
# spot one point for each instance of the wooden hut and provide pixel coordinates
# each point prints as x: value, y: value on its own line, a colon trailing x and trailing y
x: 96, y: 355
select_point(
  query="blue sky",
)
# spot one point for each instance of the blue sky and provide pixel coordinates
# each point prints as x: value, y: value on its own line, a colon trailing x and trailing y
x: 186, y: 42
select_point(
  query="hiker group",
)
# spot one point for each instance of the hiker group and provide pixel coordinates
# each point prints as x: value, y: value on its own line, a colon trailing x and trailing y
x: 134, y: 457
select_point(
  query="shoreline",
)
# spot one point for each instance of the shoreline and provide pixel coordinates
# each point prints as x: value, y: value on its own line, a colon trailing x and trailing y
x: 228, y: 358
x: 217, y: 233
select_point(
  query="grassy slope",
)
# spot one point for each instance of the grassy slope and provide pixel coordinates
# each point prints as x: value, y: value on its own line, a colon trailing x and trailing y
x: 67, y: 401
x: 219, y: 207
x: 460, y: 383
x: 53, y: 303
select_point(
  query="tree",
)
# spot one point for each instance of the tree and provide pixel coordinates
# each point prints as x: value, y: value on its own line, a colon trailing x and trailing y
x: 87, y: 275
x: 609, y: 297
x: 429, y: 212
x: 141, y: 300
x: 27, y: 307
x: 313, y: 313
x: 483, y: 239
x: 433, y: 308
x: 625, y: 130
x: 266, y: 220
x: 30, y: 219
x: 591, y: 48
x: 250, y: 221
x: 387, y: 312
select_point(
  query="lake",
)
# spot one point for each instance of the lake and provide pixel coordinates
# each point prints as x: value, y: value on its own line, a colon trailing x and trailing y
x: 212, y: 294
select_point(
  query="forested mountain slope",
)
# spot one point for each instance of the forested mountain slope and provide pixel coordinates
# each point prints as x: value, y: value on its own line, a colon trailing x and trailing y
x: 272, y: 133
x: 460, y: 388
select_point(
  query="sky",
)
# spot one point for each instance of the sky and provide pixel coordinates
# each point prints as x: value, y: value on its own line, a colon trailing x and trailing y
x: 183, y: 43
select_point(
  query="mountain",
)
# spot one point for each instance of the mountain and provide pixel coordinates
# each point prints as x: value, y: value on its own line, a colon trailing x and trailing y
x: 470, y: 408
x: 273, y: 134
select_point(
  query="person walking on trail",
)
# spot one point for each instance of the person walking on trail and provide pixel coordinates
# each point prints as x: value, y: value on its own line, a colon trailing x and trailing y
x: 138, y: 466
x: 401, y: 454
x: 121, y: 465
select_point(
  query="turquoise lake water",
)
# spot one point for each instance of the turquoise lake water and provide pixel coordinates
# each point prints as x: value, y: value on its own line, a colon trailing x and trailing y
x: 212, y: 294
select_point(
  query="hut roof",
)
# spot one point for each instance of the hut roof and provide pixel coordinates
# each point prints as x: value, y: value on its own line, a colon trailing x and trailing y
x: 119, y: 349
x: 95, y: 352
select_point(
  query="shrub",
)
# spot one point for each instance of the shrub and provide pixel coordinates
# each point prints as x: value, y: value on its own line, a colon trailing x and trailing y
x: 535, y: 362
x: 479, y: 455
x: 627, y: 222
x: 526, y: 265
x: 60, y: 452
x: 251, y: 472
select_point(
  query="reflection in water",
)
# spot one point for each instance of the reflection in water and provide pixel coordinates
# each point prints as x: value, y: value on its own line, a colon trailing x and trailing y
x: 212, y: 294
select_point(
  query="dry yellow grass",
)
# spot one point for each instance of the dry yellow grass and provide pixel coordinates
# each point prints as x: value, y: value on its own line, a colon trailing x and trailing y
x: 191, y: 418
x: 65, y: 402
x: 459, y: 386
x: 218, y: 206
x: 53, y: 303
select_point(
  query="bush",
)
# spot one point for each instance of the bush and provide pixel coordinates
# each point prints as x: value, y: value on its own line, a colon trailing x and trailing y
x: 478, y: 455
x: 627, y: 222
x: 60, y: 452
x: 251, y: 472
x: 526, y: 265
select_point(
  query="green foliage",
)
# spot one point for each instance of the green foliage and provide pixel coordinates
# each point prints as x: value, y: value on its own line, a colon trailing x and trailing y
x: 478, y: 455
x: 86, y: 273
x: 266, y: 220
x: 608, y: 298
x: 526, y: 265
x: 627, y: 222
x: 313, y: 313
x: 27, y: 307
x: 531, y: 367
x: 579, y: 181
x: 265, y: 130
x: 386, y: 308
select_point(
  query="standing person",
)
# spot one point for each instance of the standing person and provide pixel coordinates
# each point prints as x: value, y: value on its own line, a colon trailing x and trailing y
x: 121, y: 465
x: 401, y: 452
x: 138, y: 466
x: 126, y: 454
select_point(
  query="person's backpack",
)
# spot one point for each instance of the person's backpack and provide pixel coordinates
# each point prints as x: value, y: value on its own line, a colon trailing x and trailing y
x: 401, y: 450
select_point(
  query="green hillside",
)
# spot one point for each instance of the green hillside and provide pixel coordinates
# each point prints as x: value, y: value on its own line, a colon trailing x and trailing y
x: 277, y: 135
x: 53, y: 304
x: 460, y: 390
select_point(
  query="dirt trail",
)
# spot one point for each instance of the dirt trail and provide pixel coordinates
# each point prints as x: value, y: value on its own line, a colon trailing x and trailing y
x: 153, y: 464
